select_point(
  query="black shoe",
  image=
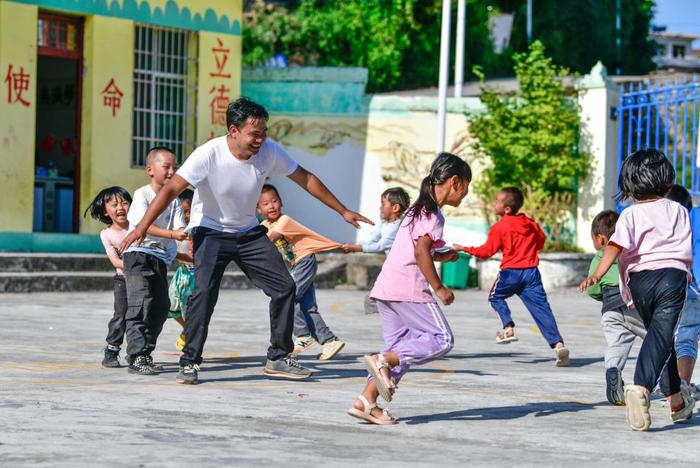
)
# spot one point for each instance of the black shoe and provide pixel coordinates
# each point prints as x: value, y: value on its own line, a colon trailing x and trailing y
x: 141, y: 366
x: 188, y: 375
x: 154, y: 366
x: 111, y: 359
x: 614, y: 387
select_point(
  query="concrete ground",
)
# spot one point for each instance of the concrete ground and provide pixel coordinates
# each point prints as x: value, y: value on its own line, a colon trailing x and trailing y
x: 484, y: 404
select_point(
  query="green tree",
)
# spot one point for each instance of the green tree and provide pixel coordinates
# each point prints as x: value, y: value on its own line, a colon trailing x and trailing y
x: 530, y: 138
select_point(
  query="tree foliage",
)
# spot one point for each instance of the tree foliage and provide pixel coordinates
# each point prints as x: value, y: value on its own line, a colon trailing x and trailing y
x: 399, y: 40
x: 531, y: 136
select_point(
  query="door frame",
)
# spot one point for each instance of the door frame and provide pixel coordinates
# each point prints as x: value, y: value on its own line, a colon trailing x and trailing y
x: 77, y: 56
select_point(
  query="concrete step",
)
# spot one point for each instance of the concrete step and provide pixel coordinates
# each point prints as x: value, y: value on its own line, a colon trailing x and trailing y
x: 330, y: 274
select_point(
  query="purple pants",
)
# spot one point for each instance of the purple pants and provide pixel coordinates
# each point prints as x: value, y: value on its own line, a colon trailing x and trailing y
x: 416, y: 332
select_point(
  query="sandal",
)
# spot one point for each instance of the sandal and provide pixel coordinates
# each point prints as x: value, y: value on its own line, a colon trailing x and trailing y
x: 385, y: 385
x: 504, y: 337
x: 366, y: 414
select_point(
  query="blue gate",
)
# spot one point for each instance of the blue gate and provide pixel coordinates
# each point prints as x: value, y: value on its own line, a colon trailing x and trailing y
x: 663, y: 115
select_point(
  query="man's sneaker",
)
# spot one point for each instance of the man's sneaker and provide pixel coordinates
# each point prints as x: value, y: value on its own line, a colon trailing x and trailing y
x: 111, y: 358
x: 286, y: 368
x: 561, y: 356
x: 140, y: 365
x: 154, y: 366
x: 685, y: 413
x: 188, y: 375
x: 614, y: 387
x: 302, y: 343
x: 330, y: 349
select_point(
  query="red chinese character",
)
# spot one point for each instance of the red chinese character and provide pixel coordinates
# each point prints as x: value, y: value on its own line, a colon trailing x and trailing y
x: 219, y: 104
x: 112, y: 96
x: 221, y: 57
x: 17, y: 83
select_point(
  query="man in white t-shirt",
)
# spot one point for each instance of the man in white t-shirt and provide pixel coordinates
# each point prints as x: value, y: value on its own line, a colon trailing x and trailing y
x: 228, y: 173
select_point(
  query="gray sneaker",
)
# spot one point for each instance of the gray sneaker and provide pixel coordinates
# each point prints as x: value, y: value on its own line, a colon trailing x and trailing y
x: 188, y: 375
x: 286, y: 368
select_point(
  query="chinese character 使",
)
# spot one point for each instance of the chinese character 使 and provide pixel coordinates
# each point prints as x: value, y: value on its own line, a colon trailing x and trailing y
x: 218, y: 104
x: 221, y: 57
x: 17, y: 83
x: 112, y: 96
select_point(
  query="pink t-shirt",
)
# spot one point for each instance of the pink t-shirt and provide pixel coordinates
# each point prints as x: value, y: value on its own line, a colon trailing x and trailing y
x: 400, y: 278
x: 653, y: 235
x: 111, y: 238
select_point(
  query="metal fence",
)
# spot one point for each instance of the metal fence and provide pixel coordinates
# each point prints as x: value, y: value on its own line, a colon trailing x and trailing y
x: 165, y: 72
x: 662, y: 115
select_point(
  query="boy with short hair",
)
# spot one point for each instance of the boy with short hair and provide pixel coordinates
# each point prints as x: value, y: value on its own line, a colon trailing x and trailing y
x: 394, y: 203
x: 299, y: 245
x: 520, y: 239
x: 145, y: 265
x: 621, y: 325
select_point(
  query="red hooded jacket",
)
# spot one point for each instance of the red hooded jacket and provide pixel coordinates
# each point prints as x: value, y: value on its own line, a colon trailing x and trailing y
x: 519, y: 237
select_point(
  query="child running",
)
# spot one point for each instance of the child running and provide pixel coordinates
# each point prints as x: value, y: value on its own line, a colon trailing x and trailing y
x: 394, y: 203
x: 520, y: 238
x: 688, y: 330
x: 182, y: 282
x: 145, y: 265
x: 299, y: 245
x: 414, y: 328
x: 652, y: 242
x: 621, y: 325
x: 111, y: 206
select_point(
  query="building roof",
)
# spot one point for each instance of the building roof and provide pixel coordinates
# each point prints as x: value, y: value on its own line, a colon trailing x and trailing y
x: 674, y: 35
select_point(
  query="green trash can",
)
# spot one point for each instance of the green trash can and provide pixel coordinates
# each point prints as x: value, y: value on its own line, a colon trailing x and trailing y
x: 456, y: 274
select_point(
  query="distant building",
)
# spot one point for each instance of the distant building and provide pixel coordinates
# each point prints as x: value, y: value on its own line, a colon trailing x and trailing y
x: 675, y: 51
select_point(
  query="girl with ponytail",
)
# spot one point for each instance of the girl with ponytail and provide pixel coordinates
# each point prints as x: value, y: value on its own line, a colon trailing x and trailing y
x: 414, y: 328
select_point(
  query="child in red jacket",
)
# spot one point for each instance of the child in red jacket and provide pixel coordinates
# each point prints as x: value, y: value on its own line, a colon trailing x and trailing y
x: 520, y: 238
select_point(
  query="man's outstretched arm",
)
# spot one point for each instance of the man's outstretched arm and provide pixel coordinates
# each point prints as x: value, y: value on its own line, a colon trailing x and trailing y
x: 318, y: 189
x: 166, y: 195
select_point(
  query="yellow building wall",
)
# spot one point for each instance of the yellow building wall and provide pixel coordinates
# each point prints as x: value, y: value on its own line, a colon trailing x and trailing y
x: 105, y: 138
x: 218, y: 82
x: 18, y: 47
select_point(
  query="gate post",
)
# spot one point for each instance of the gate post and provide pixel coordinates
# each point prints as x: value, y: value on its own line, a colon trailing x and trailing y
x: 597, y: 98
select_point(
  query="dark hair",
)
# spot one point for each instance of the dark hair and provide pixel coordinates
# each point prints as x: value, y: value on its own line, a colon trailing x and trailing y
x: 680, y: 194
x: 270, y: 188
x: 604, y: 223
x: 241, y: 109
x: 97, y: 207
x: 445, y: 166
x: 397, y: 196
x: 514, y: 198
x: 645, y: 173
x: 157, y: 149
x: 186, y: 194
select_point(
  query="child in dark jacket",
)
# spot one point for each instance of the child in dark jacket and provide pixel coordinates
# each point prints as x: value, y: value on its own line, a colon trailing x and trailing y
x: 520, y: 238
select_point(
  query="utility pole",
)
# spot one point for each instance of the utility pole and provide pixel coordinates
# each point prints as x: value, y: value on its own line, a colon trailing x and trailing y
x: 529, y: 21
x: 459, y: 52
x: 444, y: 70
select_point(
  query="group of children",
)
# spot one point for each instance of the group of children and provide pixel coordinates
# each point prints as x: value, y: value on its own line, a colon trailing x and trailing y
x: 641, y: 272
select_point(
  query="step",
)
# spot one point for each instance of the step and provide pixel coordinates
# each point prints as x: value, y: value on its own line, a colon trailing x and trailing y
x: 330, y: 274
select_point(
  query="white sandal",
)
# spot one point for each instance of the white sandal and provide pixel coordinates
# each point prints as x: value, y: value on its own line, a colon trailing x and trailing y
x: 385, y: 385
x: 365, y: 414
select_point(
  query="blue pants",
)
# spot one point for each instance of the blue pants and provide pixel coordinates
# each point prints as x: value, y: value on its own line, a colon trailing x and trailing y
x: 527, y: 284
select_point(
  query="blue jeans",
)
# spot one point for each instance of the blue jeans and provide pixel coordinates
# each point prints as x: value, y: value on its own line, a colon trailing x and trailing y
x: 307, y: 319
x: 688, y: 329
x: 526, y: 283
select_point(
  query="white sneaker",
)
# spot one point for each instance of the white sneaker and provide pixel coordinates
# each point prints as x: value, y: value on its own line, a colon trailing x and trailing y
x: 303, y: 343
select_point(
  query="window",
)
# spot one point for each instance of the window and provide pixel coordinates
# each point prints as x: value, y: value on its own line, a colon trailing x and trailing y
x: 678, y: 51
x: 165, y: 73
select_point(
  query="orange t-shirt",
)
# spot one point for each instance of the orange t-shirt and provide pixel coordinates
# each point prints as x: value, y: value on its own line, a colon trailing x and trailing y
x: 304, y: 240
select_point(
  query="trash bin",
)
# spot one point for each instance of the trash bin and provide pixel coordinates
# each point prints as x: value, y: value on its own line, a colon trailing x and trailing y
x: 456, y: 274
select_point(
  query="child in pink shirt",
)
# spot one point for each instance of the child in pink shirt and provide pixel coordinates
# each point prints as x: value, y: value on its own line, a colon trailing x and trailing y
x: 110, y: 207
x: 414, y: 328
x: 652, y: 244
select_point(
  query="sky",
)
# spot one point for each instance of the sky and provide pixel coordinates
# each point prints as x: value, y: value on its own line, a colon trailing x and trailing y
x: 679, y: 16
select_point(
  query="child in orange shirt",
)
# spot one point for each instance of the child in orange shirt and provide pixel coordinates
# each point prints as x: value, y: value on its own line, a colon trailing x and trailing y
x: 299, y: 245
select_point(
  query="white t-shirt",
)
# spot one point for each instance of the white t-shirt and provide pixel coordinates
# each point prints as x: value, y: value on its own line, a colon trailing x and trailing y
x: 228, y: 188
x: 171, y: 218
